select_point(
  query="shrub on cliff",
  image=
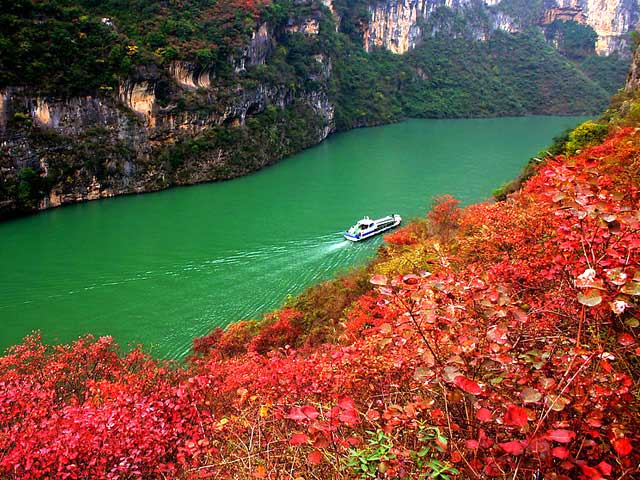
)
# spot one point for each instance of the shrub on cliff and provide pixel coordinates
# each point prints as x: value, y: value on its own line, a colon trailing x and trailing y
x: 585, y: 135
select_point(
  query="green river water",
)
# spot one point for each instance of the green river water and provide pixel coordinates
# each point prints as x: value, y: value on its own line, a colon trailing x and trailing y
x: 163, y: 268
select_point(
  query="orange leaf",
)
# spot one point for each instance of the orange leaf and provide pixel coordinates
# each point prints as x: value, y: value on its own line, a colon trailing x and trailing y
x: 315, y: 457
x: 259, y: 472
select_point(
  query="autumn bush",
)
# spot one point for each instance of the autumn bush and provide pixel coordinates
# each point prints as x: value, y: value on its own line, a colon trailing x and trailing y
x: 279, y: 331
x: 512, y: 353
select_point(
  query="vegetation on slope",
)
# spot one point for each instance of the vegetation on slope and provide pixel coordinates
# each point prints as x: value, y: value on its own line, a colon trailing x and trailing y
x: 78, y: 48
x: 59, y: 49
x: 505, y: 75
x: 495, y: 341
x: 85, y: 47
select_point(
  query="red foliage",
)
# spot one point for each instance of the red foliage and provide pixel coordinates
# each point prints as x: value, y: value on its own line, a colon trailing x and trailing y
x: 444, y: 216
x: 278, y: 334
x: 445, y: 211
x: 371, y: 310
x: 83, y: 411
x: 467, y: 385
x: 204, y: 345
x: 516, y: 416
x: 622, y: 446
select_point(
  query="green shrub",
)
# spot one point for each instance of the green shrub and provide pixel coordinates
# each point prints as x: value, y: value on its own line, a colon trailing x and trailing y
x: 585, y: 135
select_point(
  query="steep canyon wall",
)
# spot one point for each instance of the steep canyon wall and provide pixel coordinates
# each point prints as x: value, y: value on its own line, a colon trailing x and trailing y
x: 179, y: 125
x: 398, y: 25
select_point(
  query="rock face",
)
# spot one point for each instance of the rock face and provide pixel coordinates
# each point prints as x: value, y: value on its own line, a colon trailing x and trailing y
x: 633, y: 79
x: 190, y: 75
x: 395, y: 25
x: 143, y: 137
x: 398, y: 25
x: 611, y: 19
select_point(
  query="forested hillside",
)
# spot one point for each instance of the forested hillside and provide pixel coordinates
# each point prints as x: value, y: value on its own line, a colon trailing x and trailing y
x: 109, y: 98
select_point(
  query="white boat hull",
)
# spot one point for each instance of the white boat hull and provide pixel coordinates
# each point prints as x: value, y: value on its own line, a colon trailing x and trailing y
x: 374, y: 230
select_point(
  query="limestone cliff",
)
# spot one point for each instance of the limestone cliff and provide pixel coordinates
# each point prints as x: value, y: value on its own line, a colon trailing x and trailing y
x: 612, y: 20
x: 398, y: 25
x: 162, y: 127
x: 633, y: 79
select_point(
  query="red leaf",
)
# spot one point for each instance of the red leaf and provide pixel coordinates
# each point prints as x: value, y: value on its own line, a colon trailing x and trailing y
x: 373, y: 415
x: 560, y: 452
x: 346, y: 403
x: 296, y: 414
x: 516, y: 416
x: 484, y: 415
x: 514, y: 448
x: 348, y: 416
x: 353, y: 441
x: 561, y: 436
x: 605, y: 468
x: 467, y: 385
x: 310, y: 412
x: 591, y: 473
x: 622, y: 446
x: 315, y: 457
x: 299, y: 439
x: 472, y: 444
x: 626, y: 340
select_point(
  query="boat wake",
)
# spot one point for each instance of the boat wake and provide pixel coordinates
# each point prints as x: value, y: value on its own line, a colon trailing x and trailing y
x: 248, y: 284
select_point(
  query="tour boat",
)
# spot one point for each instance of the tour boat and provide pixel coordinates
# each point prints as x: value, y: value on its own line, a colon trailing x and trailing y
x: 367, y: 227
